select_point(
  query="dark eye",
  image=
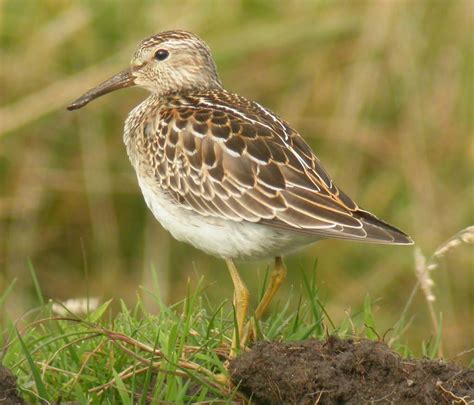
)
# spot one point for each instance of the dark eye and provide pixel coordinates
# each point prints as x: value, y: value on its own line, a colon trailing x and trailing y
x: 161, y: 54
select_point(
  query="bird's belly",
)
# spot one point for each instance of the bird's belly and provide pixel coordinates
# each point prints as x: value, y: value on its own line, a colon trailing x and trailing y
x: 221, y: 237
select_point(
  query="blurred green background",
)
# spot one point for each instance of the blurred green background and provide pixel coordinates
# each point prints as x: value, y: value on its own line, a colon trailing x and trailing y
x: 382, y: 90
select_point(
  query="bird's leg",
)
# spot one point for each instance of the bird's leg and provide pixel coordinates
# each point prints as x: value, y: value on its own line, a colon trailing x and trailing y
x: 277, y: 276
x: 241, y: 303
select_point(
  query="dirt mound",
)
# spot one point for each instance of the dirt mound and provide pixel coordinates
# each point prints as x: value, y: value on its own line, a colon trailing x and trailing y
x: 346, y: 372
x: 8, y: 392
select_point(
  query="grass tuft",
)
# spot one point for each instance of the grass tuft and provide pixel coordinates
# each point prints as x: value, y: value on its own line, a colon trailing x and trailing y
x: 135, y: 356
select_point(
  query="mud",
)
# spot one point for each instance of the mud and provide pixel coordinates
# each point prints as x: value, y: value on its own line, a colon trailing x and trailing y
x: 346, y: 372
x: 8, y: 388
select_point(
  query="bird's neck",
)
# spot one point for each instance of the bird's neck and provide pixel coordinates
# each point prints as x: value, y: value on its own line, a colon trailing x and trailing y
x: 164, y: 93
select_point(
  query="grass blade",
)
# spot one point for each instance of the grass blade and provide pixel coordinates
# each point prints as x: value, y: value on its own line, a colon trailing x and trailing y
x: 122, y: 390
x: 42, y: 392
x: 36, y: 284
x: 369, y: 321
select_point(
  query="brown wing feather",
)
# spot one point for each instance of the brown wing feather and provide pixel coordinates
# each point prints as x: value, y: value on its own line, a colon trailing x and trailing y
x: 224, y: 156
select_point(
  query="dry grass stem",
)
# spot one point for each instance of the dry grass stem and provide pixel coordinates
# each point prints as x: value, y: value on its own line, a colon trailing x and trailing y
x: 424, y: 268
x: 456, y: 399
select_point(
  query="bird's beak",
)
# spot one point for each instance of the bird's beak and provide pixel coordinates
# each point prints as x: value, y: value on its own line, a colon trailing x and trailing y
x: 119, y: 81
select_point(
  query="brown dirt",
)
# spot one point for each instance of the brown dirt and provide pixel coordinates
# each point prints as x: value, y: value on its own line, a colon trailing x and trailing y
x: 8, y: 391
x: 346, y: 372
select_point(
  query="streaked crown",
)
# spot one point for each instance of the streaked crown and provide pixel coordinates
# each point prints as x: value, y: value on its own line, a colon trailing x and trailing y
x: 174, y: 61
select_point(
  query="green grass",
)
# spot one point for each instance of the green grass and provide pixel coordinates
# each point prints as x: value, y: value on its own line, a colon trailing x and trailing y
x: 131, y: 356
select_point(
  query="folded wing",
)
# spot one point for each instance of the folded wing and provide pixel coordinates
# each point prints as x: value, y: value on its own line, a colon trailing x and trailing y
x: 246, y: 164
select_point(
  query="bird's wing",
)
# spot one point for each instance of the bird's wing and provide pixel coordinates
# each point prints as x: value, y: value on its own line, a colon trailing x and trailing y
x: 245, y: 164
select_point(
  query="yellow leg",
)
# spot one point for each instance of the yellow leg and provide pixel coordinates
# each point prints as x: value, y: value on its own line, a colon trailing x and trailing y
x: 276, y: 279
x: 241, y: 303
x: 277, y: 276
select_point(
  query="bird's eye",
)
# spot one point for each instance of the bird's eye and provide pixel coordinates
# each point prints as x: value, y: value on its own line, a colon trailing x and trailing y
x: 161, y: 54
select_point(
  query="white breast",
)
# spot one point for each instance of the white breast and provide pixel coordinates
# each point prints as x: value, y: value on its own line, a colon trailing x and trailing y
x: 219, y: 237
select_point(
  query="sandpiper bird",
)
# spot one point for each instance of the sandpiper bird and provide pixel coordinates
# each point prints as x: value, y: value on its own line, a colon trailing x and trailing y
x: 225, y: 174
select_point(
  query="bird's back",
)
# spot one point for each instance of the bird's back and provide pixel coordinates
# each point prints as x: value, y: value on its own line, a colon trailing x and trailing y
x: 219, y: 155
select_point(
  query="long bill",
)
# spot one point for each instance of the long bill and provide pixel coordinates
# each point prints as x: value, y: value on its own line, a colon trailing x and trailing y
x: 116, y: 82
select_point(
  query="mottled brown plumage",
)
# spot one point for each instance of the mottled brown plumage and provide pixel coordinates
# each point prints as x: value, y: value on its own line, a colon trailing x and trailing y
x: 220, y: 155
x: 224, y: 173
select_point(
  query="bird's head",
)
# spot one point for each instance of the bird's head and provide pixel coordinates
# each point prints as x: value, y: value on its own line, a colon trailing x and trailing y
x: 166, y: 63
